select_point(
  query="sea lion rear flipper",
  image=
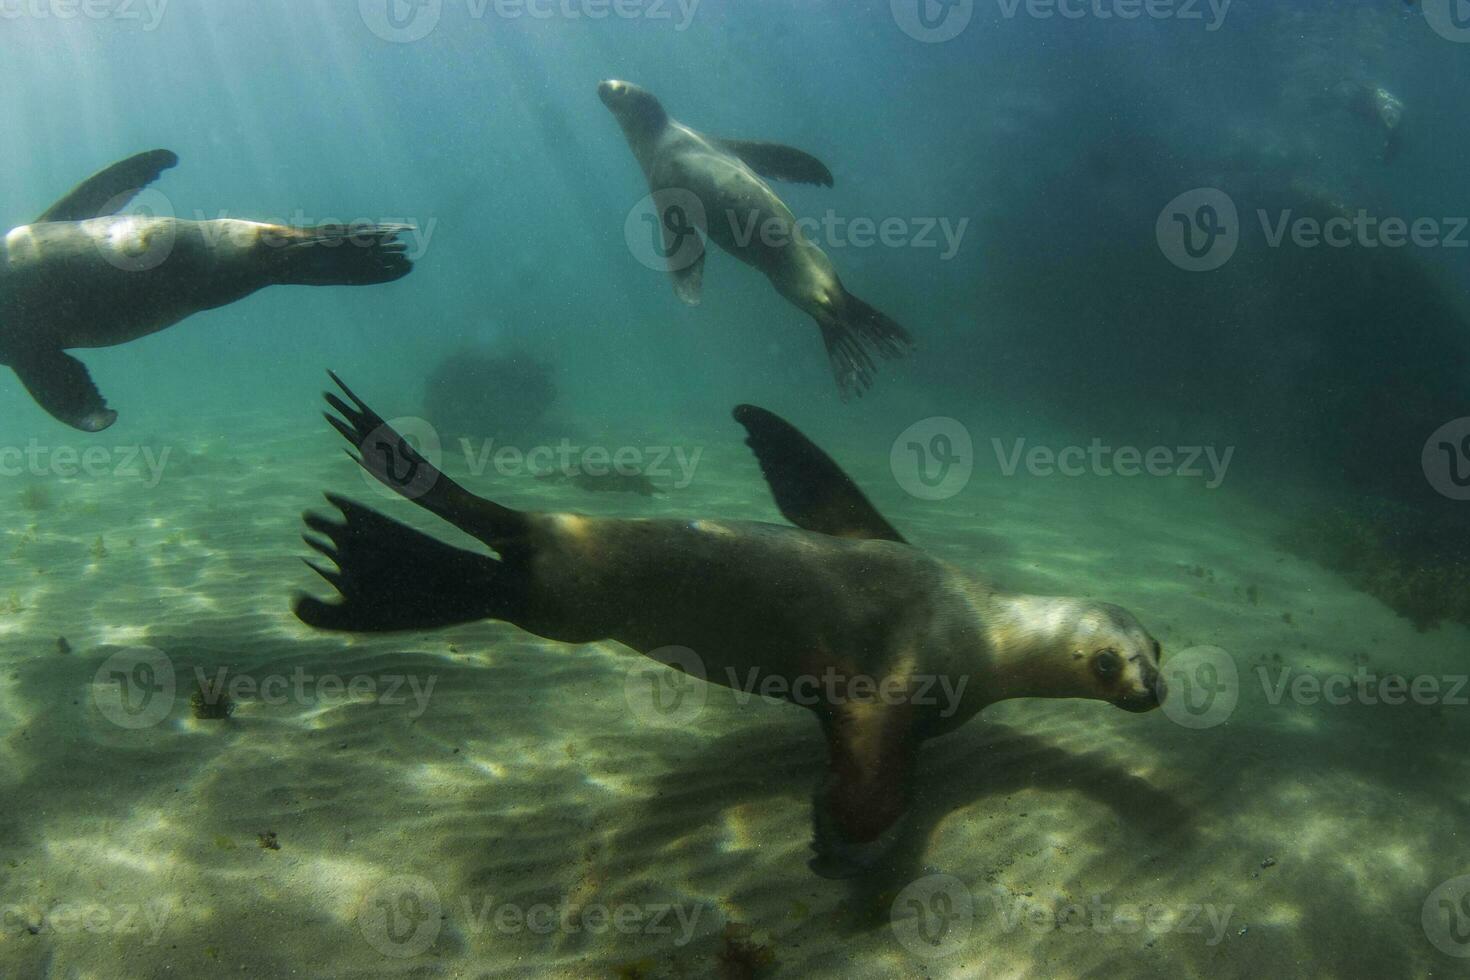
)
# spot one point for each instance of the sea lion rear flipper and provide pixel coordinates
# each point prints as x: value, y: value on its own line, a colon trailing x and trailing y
x: 395, y: 463
x: 392, y: 577
x: 857, y: 816
x: 61, y: 385
x: 110, y: 190
x: 810, y: 489
x: 779, y: 162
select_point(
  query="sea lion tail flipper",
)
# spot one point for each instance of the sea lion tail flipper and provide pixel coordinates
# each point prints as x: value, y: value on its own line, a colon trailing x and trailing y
x: 61, y: 385
x: 810, y: 488
x: 779, y: 162
x: 109, y: 191
x: 857, y: 816
x: 391, y: 577
x: 342, y: 255
x: 394, y: 462
x: 850, y: 328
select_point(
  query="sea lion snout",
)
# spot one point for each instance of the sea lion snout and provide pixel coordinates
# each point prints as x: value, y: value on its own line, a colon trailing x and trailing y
x: 1152, y: 696
x: 609, y: 89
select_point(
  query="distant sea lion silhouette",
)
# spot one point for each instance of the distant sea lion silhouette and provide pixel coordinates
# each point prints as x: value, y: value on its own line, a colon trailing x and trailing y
x: 743, y: 216
x: 841, y: 596
x: 84, y: 275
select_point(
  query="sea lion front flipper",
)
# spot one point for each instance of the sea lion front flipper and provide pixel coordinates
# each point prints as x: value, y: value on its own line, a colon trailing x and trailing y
x: 857, y: 816
x: 110, y: 190
x: 810, y: 488
x: 682, y: 242
x: 779, y: 162
x: 61, y: 385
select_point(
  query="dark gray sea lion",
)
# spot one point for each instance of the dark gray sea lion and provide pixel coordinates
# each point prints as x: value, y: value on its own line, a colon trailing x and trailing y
x: 886, y: 645
x: 84, y: 275
x: 745, y: 217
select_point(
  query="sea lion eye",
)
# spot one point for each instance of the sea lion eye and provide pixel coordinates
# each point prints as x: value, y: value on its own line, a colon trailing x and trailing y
x: 1107, y: 665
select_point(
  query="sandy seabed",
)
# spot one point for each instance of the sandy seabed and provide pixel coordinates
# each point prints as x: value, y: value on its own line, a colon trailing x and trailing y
x: 476, y: 802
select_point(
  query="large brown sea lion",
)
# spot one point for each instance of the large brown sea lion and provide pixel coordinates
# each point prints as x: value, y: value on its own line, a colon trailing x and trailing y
x: 886, y: 645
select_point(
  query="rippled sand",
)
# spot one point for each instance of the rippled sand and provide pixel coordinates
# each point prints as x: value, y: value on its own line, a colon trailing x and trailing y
x: 485, y: 804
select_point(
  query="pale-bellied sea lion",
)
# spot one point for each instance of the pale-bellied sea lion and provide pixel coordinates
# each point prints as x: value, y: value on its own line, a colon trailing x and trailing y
x: 745, y: 217
x: 83, y: 275
x: 886, y: 645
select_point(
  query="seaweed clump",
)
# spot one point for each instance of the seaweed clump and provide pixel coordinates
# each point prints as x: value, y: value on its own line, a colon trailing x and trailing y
x: 216, y: 705
x: 1402, y: 557
x: 740, y: 957
x: 479, y: 394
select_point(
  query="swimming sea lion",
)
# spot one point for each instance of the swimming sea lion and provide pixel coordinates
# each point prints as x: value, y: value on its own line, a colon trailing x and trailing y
x: 83, y: 275
x: 850, y: 620
x: 1380, y: 108
x: 744, y: 216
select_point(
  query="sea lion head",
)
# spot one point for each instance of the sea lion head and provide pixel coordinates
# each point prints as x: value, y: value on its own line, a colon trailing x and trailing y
x: 1117, y: 659
x: 638, y: 110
